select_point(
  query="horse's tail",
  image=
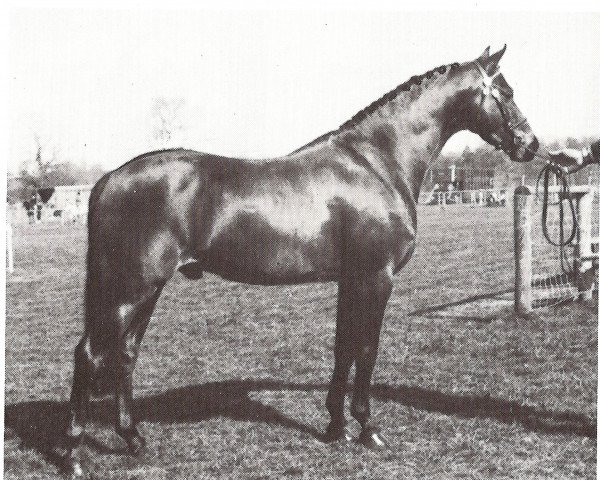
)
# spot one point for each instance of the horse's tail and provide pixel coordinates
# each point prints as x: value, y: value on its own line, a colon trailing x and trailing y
x: 100, y: 298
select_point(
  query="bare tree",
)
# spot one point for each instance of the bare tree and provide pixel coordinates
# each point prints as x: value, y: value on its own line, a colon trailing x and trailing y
x: 44, y: 166
x: 168, y: 122
x: 45, y: 169
x: 34, y: 173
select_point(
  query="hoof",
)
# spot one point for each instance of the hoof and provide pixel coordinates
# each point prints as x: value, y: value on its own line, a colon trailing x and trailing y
x: 372, y: 440
x: 72, y: 469
x: 336, y: 433
x: 136, y: 444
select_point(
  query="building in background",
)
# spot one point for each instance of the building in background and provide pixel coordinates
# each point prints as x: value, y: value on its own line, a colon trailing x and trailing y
x: 64, y: 203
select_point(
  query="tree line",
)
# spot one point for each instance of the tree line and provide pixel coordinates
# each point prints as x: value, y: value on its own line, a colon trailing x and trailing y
x: 42, y: 172
x: 487, y: 157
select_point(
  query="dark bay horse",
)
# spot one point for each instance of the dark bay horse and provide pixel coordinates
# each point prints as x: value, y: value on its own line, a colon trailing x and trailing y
x: 342, y: 208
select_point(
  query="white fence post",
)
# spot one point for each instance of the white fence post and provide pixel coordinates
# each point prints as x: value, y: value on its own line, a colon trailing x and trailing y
x: 584, y: 245
x: 523, y: 201
x: 10, y: 264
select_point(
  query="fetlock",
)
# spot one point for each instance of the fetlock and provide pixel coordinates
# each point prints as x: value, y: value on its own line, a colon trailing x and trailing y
x: 371, y: 438
x: 135, y: 442
x: 336, y: 430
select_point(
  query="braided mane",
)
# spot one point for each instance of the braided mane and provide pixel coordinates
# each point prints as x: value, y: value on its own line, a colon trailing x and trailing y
x: 386, y: 98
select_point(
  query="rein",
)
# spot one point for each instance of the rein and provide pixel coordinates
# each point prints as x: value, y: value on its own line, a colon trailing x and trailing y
x: 563, y: 194
x: 549, y: 169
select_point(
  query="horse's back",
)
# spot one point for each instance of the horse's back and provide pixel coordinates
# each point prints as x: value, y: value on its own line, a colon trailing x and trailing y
x: 285, y: 220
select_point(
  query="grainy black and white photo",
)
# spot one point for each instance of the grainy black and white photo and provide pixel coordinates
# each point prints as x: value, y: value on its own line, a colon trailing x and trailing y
x: 305, y: 243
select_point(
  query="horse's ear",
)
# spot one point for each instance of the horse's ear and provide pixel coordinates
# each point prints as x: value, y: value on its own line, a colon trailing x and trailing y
x: 483, y: 58
x: 495, y: 58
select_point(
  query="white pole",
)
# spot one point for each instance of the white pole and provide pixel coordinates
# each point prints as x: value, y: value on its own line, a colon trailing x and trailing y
x: 10, y: 264
x: 584, y: 244
x: 523, y: 250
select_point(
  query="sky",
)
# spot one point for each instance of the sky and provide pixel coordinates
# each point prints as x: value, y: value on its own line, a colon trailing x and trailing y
x: 260, y: 83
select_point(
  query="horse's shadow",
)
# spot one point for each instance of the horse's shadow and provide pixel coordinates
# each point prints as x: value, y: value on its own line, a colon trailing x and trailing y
x: 39, y: 424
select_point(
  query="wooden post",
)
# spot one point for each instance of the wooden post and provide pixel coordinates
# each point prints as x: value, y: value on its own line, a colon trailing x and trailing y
x: 10, y: 265
x: 523, y: 248
x: 584, y: 264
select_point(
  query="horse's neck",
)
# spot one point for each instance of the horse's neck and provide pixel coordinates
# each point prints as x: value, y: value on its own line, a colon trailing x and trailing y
x: 404, y: 138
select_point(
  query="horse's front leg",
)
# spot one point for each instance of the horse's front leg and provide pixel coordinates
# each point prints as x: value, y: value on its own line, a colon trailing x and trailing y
x: 371, y: 295
x: 344, y: 357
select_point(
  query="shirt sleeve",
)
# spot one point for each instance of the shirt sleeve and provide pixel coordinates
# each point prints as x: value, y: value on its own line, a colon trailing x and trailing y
x: 594, y: 154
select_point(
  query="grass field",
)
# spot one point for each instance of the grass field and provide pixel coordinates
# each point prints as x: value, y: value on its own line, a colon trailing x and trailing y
x: 232, y: 379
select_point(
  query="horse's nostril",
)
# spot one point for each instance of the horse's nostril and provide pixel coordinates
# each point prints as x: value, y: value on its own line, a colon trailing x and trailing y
x: 534, y: 145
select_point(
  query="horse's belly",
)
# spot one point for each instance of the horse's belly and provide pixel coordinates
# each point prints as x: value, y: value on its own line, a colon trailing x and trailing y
x: 252, y: 249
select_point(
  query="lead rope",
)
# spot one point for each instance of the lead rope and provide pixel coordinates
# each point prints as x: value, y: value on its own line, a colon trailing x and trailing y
x: 547, y: 170
x: 563, y: 194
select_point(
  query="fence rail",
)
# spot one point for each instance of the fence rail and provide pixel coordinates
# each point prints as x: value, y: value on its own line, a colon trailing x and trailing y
x: 479, y: 197
x: 544, y: 273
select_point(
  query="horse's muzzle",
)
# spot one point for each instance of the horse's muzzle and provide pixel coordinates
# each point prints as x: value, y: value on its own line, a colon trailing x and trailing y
x: 527, y: 149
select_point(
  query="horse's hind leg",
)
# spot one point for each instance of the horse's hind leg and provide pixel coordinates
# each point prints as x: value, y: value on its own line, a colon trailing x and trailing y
x: 79, y: 405
x: 135, y: 316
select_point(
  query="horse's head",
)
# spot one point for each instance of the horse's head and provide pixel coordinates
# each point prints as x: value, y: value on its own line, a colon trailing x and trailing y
x: 488, y: 109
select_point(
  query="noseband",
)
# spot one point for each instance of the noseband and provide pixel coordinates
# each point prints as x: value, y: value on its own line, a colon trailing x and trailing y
x: 489, y: 88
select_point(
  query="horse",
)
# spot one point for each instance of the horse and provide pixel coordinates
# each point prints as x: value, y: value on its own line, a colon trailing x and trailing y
x: 341, y: 208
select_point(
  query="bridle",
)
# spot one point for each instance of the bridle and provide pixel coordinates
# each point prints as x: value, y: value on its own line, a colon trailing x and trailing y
x: 489, y: 88
x: 551, y: 168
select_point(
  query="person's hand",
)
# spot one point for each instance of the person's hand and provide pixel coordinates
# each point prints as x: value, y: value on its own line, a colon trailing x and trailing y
x: 568, y: 157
